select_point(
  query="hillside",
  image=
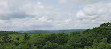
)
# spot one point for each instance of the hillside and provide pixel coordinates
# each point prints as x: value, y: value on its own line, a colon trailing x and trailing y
x: 54, y: 31
x: 96, y: 38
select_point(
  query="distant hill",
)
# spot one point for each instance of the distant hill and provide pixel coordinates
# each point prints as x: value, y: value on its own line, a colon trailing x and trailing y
x: 52, y: 31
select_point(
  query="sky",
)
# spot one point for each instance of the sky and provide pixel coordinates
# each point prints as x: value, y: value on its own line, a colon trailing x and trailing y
x: 16, y: 15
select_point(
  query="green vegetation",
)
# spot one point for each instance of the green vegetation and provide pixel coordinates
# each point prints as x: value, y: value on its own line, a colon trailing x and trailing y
x: 53, y: 31
x: 96, y: 38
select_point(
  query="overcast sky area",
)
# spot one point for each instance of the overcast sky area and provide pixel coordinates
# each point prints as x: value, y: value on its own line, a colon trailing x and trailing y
x: 53, y: 14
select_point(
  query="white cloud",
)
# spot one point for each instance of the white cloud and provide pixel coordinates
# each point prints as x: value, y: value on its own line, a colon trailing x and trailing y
x: 4, y: 8
x: 78, y: 3
x: 36, y: 14
x: 95, y: 14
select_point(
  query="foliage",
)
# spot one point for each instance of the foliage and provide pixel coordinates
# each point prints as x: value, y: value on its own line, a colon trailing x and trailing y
x: 96, y: 38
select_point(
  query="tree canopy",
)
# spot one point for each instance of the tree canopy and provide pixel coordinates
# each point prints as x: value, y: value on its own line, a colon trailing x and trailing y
x: 96, y: 38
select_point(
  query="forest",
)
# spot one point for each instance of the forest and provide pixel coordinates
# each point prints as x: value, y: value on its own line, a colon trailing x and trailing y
x: 96, y: 38
x: 52, y: 31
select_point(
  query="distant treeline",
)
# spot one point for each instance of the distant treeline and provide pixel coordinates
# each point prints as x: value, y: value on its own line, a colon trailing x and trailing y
x: 96, y: 38
x: 53, y: 31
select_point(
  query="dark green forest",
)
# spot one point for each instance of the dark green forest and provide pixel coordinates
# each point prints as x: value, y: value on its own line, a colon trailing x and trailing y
x: 96, y: 38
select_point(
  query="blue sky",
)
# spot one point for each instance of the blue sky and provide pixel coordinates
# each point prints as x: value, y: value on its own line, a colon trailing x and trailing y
x: 53, y: 14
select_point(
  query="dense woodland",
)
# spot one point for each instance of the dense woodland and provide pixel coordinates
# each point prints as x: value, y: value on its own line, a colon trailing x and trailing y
x: 96, y: 38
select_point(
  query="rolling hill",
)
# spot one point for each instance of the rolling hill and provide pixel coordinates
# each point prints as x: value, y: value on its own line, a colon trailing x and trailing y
x: 53, y: 31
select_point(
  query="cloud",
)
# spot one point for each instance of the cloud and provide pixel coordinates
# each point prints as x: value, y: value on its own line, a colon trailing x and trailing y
x: 17, y: 9
x: 43, y: 23
x: 78, y: 3
x: 58, y: 14
x: 95, y: 14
